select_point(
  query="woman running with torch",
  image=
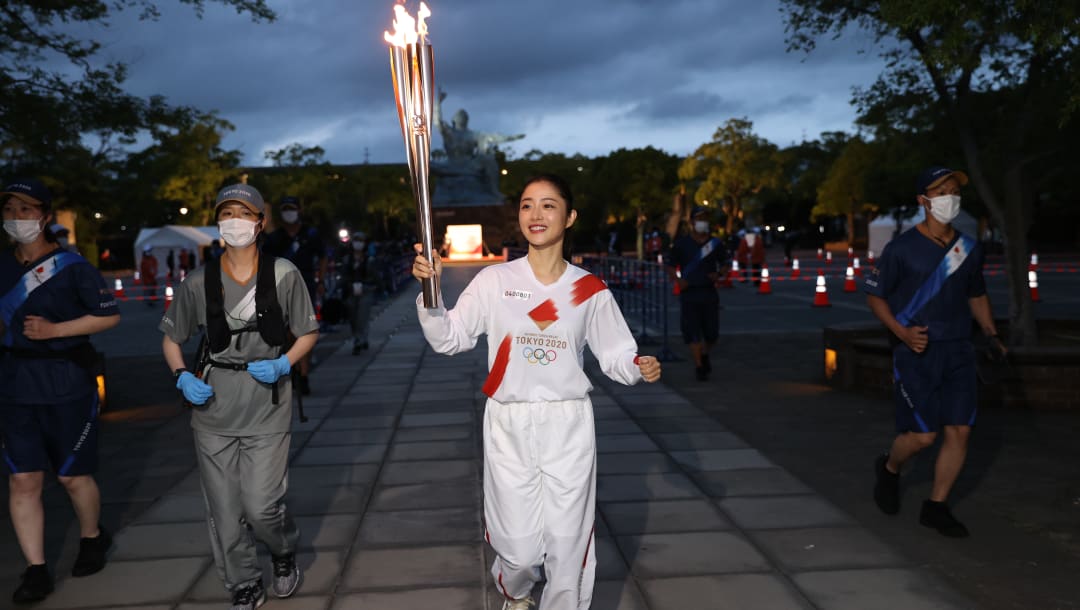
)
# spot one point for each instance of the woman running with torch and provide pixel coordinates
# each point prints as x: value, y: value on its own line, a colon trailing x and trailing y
x: 539, y: 312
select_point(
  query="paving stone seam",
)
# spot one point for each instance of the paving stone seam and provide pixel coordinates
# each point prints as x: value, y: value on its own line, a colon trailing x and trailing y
x: 778, y: 567
x: 348, y: 553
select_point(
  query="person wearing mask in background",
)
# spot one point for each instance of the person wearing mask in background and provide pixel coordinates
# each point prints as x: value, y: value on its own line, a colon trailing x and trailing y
x: 51, y: 301
x: 926, y: 288
x: 148, y: 270
x: 360, y: 281
x: 240, y: 391
x: 751, y: 254
x: 539, y: 312
x: 301, y: 245
x: 63, y: 237
x: 696, y: 262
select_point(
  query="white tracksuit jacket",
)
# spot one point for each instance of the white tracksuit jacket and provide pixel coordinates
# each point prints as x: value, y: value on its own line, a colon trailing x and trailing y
x: 539, y: 435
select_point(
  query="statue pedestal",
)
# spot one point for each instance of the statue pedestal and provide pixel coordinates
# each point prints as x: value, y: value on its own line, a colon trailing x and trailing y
x: 499, y: 223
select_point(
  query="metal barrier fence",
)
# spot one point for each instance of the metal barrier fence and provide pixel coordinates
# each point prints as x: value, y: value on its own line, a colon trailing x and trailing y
x: 643, y: 291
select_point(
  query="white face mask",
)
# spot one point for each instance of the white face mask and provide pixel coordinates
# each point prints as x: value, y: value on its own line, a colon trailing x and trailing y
x: 945, y: 208
x: 290, y: 216
x: 23, y: 231
x: 237, y: 232
x: 701, y: 226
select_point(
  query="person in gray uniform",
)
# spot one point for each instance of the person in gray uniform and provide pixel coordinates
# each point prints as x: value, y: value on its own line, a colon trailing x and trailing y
x: 240, y: 394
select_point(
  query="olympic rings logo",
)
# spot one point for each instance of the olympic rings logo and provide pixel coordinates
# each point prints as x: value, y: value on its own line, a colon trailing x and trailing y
x: 537, y: 355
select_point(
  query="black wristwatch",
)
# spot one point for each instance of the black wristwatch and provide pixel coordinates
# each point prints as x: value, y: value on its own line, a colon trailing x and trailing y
x: 178, y: 372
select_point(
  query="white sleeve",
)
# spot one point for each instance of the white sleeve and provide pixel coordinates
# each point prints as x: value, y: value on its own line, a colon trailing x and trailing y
x: 456, y: 330
x: 611, y: 341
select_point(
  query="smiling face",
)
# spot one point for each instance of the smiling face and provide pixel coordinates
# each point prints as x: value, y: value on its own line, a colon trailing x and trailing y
x: 543, y: 215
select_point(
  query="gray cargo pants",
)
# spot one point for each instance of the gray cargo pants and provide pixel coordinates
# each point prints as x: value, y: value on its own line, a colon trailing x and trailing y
x: 244, y: 479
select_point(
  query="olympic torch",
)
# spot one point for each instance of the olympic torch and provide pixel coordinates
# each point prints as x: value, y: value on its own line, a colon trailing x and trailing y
x: 413, y: 71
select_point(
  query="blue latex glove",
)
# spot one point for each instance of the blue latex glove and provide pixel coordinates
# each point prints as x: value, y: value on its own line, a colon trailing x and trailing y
x: 195, y: 391
x: 268, y: 371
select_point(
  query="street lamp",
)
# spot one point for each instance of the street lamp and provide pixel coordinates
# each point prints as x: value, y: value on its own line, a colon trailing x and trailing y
x: 183, y: 211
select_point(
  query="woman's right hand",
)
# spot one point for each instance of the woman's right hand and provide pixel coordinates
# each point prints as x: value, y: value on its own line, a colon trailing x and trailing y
x: 421, y: 268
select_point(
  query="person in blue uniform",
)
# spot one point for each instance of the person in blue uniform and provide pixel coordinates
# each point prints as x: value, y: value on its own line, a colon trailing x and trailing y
x: 301, y: 245
x: 926, y: 289
x: 696, y: 262
x: 51, y: 301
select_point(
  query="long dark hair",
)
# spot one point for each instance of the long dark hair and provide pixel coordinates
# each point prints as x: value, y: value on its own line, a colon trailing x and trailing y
x: 560, y: 184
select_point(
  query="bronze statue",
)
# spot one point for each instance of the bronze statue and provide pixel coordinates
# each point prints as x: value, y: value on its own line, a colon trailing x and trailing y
x: 469, y: 175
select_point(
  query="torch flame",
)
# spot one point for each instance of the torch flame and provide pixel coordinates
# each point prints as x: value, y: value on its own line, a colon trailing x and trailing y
x: 408, y: 30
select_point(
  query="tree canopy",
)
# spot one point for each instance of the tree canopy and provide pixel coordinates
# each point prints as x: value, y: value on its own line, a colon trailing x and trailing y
x: 1002, y: 76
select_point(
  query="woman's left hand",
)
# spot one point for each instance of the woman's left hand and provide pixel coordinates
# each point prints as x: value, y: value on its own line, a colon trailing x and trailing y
x: 649, y: 367
x: 37, y: 328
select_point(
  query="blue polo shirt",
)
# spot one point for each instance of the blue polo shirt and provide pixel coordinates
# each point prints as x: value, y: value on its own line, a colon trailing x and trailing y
x: 906, y: 264
x: 72, y: 292
x: 697, y: 261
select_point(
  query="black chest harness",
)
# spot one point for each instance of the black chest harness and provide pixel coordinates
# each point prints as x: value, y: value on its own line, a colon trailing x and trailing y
x: 269, y: 319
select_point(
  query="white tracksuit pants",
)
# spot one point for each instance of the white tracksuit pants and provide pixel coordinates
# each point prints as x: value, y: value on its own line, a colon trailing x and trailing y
x: 540, y: 499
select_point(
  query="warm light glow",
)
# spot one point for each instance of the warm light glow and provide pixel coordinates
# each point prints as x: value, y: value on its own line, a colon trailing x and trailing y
x: 830, y: 363
x: 505, y: 172
x: 183, y: 211
x: 408, y: 30
x: 466, y: 242
x: 101, y: 391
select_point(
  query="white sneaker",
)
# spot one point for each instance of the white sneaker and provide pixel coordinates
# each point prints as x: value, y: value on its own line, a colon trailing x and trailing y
x: 518, y: 604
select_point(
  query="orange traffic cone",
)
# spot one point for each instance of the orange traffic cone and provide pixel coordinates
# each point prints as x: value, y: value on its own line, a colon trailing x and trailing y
x: 675, y: 290
x: 1033, y: 284
x: 168, y: 294
x: 1034, y: 264
x: 820, y: 253
x: 870, y: 257
x: 118, y: 290
x: 734, y: 273
x: 856, y: 267
x: 764, y: 287
x: 849, y: 280
x: 138, y: 278
x: 795, y: 272
x: 850, y: 252
x: 828, y: 258
x: 821, y: 295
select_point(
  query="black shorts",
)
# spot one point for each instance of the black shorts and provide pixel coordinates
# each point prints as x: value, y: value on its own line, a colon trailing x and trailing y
x: 63, y: 435
x: 699, y: 317
x: 935, y: 388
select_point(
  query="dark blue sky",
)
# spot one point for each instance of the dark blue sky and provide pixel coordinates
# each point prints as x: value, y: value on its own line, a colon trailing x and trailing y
x: 574, y: 76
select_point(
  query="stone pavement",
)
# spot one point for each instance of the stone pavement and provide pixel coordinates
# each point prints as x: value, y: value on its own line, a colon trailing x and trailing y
x: 386, y: 485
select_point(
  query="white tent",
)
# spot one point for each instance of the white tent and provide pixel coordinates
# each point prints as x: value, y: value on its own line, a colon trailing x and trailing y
x: 883, y: 228
x: 173, y: 238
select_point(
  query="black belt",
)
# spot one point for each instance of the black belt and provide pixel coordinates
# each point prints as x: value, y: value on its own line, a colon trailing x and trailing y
x: 232, y: 366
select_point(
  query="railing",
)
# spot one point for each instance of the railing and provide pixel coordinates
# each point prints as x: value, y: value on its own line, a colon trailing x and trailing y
x: 643, y: 291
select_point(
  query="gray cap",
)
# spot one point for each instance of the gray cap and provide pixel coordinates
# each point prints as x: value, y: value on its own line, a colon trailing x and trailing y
x: 243, y: 194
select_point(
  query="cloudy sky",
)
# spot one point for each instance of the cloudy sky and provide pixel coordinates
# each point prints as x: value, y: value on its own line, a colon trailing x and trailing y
x: 575, y: 76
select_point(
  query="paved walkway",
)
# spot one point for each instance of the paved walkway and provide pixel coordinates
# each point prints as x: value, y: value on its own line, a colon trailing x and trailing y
x: 385, y: 482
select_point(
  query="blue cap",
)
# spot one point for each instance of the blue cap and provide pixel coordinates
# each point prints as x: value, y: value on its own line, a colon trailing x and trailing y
x: 243, y: 194
x: 30, y: 190
x: 290, y: 201
x: 698, y: 210
x: 933, y: 176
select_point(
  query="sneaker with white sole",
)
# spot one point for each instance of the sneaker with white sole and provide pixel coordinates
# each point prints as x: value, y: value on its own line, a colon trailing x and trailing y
x: 518, y: 604
x: 287, y: 575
